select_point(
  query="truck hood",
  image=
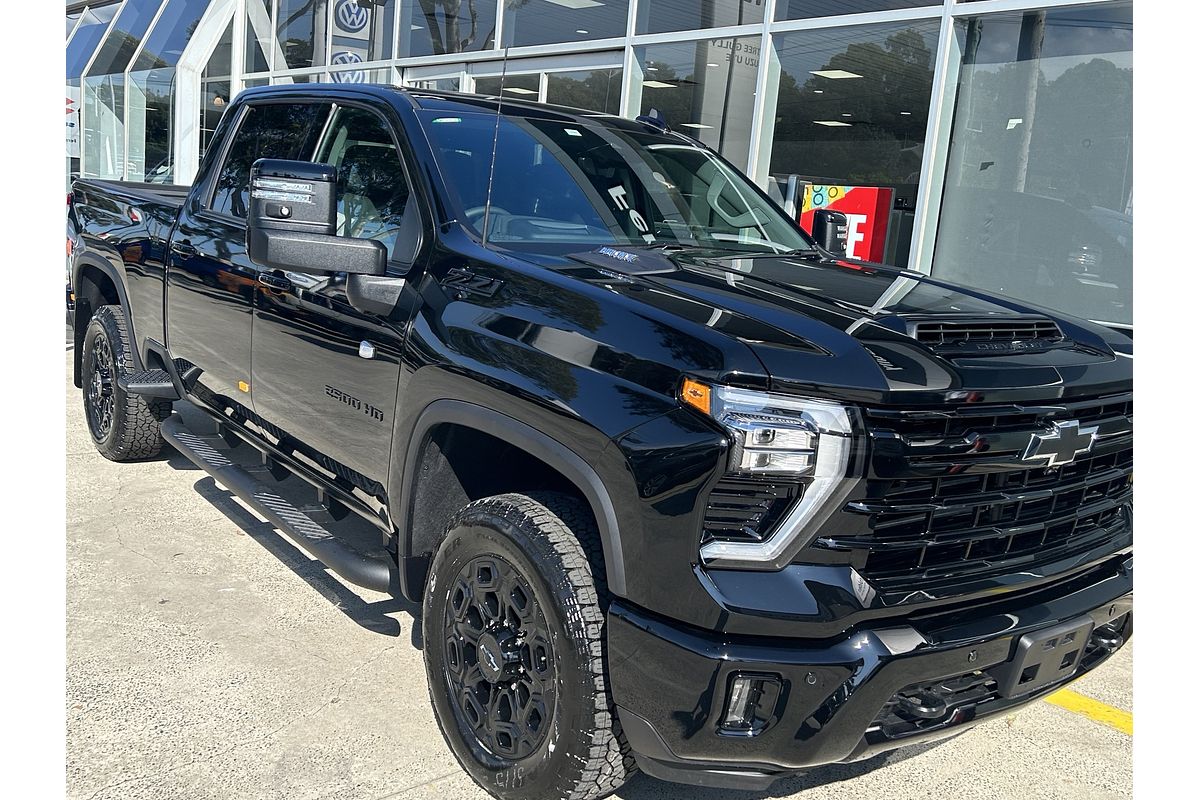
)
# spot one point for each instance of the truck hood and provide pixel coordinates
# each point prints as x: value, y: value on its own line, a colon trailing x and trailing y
x: 846, y: 329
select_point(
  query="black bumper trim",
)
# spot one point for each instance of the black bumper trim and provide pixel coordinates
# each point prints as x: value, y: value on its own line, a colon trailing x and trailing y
x: 676, y: 681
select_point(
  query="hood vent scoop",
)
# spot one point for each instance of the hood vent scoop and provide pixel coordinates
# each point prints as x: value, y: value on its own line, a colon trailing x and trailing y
x: 996, y: 334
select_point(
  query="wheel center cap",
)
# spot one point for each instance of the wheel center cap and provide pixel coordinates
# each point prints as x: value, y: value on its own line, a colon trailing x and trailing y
x: 494, y: 656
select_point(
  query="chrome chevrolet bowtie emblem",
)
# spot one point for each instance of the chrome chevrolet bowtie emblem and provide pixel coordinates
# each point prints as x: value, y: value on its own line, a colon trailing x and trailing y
x: 1061, y: 445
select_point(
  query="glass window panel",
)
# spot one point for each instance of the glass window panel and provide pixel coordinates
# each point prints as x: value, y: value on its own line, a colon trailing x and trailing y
x: 72, y: 19
x: 529, y: 22
x: 301, y: 28
x: 851, y: 111
x: 258, y: 35
x: 362, y: 32
x: 215, y: 88
x: 73, y: 128
x: 456, y: 26
x: 151, y: 126
x: 372, y: 190
x: 252, y: 82
x: 272, y: 130
x: 83, y: 44
x: 124, y: 36
x: 170, y: 34
x: 516, y: 87
x: 704, y: 89
x: 594, y: 90
x: 284, y: 80
x: 104, y: 136
x: 437, y: 84
x: 382, y: 75
x: 660, y: 16
x: 804, y: 9
x: 1038, y: 200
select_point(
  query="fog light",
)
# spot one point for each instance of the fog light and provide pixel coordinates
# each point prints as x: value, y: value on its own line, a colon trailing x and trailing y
x: 751, y: 704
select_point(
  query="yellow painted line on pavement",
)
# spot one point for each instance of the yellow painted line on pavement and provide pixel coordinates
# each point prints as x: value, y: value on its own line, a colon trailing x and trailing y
x: 1094, y: 710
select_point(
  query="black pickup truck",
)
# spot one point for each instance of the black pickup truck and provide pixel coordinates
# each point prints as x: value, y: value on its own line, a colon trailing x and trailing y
x: 676, y: 489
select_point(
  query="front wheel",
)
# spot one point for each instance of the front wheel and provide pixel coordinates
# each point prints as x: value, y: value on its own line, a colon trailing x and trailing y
x: 514, y: 634
x: 124, y: 426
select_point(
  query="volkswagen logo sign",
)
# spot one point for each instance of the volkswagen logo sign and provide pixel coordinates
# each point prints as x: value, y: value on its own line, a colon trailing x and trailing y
x: 351, y: 16
x: 347, y: 76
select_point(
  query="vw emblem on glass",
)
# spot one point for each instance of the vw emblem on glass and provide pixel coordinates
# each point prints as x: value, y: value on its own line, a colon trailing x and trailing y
x: 351, y: 16
x: 347, y: 76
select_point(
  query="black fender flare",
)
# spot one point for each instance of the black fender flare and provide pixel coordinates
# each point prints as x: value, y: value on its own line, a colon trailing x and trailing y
x: 557, y: 455
x: 97, y: 261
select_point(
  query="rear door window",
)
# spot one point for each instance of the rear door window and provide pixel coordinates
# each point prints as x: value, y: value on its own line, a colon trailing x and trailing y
x: 272, y: 130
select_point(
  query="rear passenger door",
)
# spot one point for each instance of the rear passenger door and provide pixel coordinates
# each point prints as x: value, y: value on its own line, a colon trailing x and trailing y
x: 325, y: 373
x: 210, y: 279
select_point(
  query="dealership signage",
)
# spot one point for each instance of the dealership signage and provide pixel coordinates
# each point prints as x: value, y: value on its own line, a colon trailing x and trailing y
x: 866, y: 209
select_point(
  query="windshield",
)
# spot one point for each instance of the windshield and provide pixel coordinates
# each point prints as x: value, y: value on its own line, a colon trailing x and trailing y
x: 558, y: 182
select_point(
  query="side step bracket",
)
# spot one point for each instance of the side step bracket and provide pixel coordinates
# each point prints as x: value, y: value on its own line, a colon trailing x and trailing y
x: 362, y: 570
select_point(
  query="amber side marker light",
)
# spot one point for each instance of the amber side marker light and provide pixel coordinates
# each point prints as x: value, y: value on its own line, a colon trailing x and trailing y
x: 697, y: 395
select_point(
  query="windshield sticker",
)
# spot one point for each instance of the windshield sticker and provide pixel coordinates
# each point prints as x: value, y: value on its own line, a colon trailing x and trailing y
x: 617, y: 193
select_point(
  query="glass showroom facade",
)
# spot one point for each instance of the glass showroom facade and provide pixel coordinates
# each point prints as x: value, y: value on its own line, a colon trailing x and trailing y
x: 986, y: 141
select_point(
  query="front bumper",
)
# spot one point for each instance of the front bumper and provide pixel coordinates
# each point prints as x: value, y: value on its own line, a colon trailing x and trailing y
x: 852, y: 697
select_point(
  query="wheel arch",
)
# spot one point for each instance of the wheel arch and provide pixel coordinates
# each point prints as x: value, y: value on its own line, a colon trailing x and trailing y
x: 97, y: 283
x: 424, y: 468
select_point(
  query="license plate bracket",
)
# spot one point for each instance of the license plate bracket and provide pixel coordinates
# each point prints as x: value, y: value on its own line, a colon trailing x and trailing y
x: 1044, y: 657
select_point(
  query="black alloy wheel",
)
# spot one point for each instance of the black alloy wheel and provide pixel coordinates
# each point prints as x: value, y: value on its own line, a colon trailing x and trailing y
x: 99, y: 390
x: 513, y: 623
x: 500, y: 663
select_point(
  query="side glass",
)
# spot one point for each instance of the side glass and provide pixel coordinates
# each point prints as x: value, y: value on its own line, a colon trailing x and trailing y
x: 531, y: 22
x: 273, y: 130
x: 372, y: 191
x: 1038, y: 200
x: 432, y: 28
x: 661, y: 16
x: 301, y: 28
x: 594, y: 90
x: 705, y: 88
x: 849, y: 130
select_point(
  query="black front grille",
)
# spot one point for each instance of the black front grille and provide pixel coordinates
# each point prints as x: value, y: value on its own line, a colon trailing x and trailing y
x: 746, y: 510
x: 945, y: 332
x: 950, y: 498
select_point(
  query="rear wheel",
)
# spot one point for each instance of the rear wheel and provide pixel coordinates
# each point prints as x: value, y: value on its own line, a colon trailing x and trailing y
x: 124, y: 426
x: 513, y: 632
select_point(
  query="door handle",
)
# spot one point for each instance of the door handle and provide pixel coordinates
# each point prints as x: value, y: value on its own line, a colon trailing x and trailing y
x: 184, y: 248
x: 273, y: 281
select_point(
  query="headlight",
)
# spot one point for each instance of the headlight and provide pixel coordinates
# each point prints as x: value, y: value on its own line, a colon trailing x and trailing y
x: 779, y: 437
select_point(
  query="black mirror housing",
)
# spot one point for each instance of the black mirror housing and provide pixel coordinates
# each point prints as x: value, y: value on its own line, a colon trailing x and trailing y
x: 292, y: 224
x: 830, y: 229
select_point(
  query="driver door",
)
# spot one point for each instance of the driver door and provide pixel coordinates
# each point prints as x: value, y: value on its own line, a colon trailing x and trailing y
x: 326, y: 374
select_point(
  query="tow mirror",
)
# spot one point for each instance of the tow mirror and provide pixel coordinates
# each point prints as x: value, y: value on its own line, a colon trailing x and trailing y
x: 293, y: 222
x: 830, y: 229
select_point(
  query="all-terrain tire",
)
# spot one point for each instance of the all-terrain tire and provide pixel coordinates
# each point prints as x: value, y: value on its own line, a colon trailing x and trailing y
x: 123, y: 426
x: 551, y: 542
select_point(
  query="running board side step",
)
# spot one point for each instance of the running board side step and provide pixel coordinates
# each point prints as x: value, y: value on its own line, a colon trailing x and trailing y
x: 149, y: 383
x: 361, y: 570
